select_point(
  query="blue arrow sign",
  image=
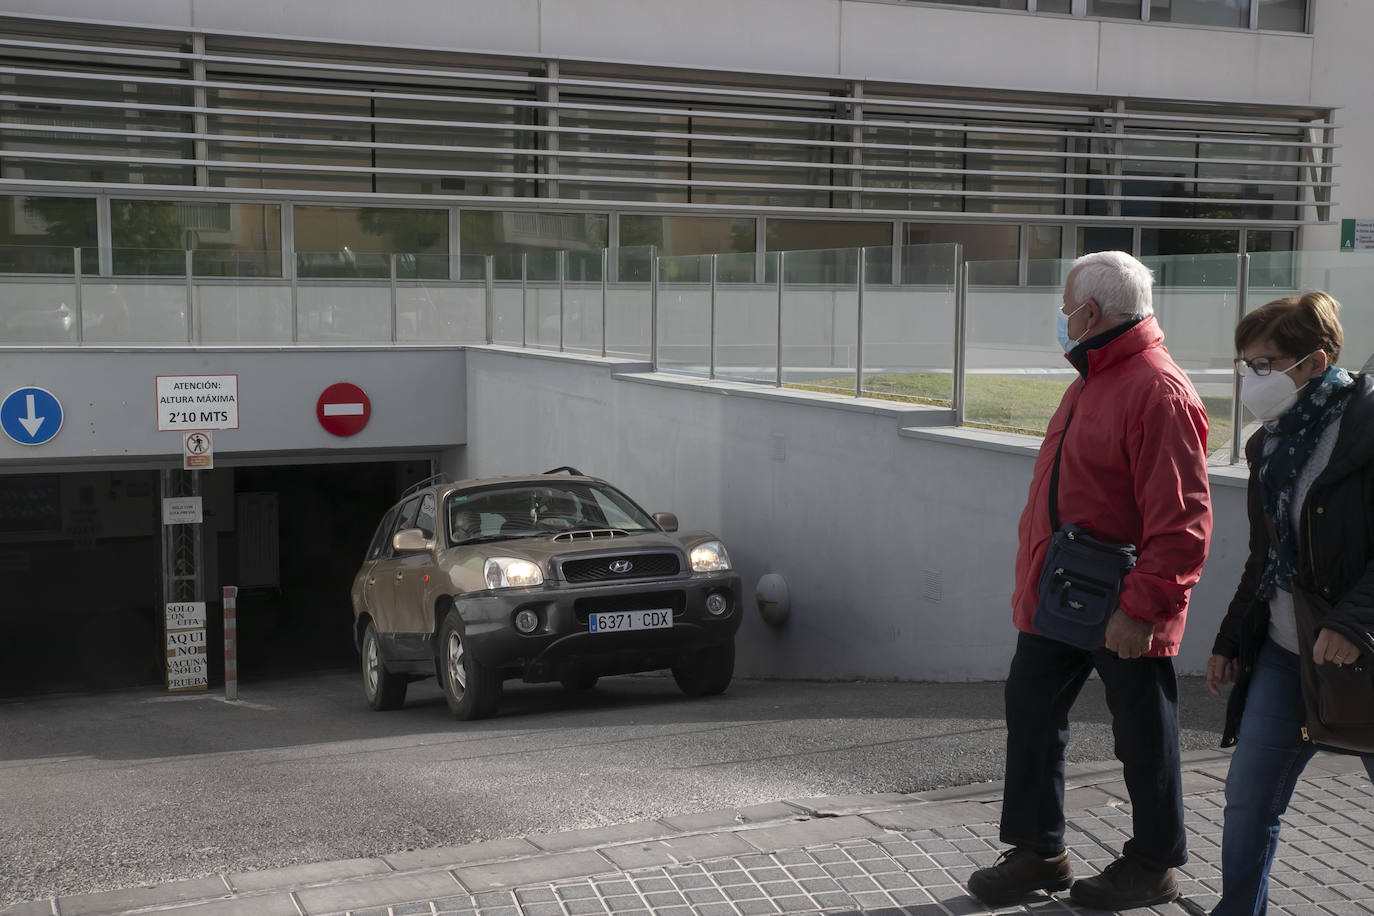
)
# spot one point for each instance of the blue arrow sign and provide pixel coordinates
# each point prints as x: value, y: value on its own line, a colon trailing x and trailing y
x: 30, y: 416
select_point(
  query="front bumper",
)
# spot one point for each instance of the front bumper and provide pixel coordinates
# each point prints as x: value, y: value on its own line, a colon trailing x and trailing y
x: 562, y: 645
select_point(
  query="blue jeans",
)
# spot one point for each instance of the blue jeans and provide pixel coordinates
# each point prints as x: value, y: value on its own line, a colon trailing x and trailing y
x: 1142, y: 694
x: 1270, y: 756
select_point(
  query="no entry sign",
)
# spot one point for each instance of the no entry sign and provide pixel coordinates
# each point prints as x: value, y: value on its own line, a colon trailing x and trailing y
x: 343, y: 409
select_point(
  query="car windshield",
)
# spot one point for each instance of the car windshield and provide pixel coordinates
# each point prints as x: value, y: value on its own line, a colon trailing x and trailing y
x: 529, y: 510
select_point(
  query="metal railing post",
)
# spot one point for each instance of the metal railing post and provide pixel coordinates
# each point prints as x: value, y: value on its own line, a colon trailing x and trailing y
x: 782, y: 263
x: 562, y: 293
x: 711, y: 330
x: 524, y: 283
x: 859, y: 329
x: 488, y: 271
x: 295, y: 299
x: 1237, y: 409
x: 76, y: 296
x: 605, y: 290
x: 393, y: 297
x: 957, y: 396
x: 191, y: 335
x: 653, y: 308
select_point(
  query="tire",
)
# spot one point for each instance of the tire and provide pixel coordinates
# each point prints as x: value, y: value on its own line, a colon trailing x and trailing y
x: 578, y: 683
x: 708, y: 672
x: 383, y: 689
x: 471, y: 690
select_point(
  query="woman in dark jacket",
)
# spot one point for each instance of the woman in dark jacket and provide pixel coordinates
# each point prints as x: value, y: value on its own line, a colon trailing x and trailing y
x: 1311, y: 508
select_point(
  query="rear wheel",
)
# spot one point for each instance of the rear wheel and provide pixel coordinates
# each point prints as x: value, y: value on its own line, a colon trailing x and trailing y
x: 708, y: 672
x: 471, y: 690
x: 383, y: 689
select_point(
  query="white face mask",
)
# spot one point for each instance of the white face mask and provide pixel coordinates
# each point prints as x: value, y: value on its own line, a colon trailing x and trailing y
x: 1062, y: 329
x: 1270, y: 396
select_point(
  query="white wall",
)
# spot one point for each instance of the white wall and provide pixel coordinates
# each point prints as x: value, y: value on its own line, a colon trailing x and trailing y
x: 898, y: 548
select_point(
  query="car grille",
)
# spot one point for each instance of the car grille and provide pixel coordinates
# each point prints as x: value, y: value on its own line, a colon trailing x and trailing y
x: 641, y: 601
x: 641, y: 566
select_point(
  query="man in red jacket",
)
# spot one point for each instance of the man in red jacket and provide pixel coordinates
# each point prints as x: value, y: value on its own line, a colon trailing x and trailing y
x: 1133, y: 469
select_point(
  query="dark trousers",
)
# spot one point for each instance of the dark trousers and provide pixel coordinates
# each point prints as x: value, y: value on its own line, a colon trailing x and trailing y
x: 1142, y: 694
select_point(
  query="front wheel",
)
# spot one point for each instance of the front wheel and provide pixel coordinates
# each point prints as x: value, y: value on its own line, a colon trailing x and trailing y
x: 471, y: 690
x: 383, y: 689
x: 708, y: 672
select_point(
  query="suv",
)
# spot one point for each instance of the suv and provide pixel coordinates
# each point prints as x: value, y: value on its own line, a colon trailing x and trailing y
x: 551, y: 577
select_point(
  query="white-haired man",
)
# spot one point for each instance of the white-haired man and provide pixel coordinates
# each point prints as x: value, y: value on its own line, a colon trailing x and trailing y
x: 1132, y: 469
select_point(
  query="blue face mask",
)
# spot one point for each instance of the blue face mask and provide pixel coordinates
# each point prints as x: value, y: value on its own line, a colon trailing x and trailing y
x: 1062, y: 328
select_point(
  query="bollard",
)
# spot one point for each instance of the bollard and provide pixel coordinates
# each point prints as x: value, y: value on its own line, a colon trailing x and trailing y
x: 231, y: 648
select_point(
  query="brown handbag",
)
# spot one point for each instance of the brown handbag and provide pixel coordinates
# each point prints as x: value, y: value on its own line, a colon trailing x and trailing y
x: 1338, y: 700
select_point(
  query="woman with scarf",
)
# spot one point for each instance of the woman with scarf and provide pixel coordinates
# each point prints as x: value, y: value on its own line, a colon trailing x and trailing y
x: 1311, y: 531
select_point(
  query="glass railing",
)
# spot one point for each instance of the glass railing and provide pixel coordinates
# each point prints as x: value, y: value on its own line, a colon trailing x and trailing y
x: 913, y: 325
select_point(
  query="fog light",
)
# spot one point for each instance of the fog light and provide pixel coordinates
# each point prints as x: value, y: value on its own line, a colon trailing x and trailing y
x: 526, y: 621
x: 716, y: 604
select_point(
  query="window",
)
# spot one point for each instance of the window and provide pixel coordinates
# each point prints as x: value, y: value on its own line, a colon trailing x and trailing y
x: 359, y: 242
x: 1114, y: 9
x: 37, y: 234
x: 1167, y: 252
x: 424, y: 519
x: 1228, y: 13
x: 994, y: 251
x: 1283, y: 15
x: 816, y: 261
x: 689, y: 235
x: 1105, y: 238
x: 538, y: 235
x: 150, y: 238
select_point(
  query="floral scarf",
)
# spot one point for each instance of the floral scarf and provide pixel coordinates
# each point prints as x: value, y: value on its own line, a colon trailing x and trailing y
x: 1297, y: 432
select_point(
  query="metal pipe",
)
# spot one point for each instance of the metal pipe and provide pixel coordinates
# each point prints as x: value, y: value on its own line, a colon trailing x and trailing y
x: 295, y: 300
x: 524, y: 283
x: 562, y: 293
x: 1242, y: 295
x: 777, y: 382
x: 653, y: 308
x: 393, y: 297
x: 76, y: 296
x: 957, y: 396
x: 711, y: 330
x: 604, y: 293
x: 488, y: 272
x: 859, y: 329
x: 191, y: 335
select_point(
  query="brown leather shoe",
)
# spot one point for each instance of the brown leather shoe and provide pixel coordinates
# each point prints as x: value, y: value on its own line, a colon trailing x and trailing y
x: 1124, y: 885
x: 1018, y: 873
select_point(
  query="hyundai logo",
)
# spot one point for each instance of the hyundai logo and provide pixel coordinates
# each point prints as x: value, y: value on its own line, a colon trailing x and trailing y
x: 622, y: 566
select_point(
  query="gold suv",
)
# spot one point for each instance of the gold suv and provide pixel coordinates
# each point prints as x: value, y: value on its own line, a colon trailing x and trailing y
x: 551, y: 577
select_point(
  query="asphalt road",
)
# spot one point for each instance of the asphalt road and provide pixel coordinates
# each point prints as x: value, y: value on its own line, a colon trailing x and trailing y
x: 122, y: 789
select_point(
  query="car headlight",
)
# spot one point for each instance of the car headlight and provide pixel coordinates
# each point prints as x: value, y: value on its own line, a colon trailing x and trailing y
x: 710, y: 557
x: 509, y: 572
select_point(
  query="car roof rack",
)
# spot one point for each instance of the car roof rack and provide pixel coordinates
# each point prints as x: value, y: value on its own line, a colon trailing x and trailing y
x: 432, y: 479
x: 565, y: 468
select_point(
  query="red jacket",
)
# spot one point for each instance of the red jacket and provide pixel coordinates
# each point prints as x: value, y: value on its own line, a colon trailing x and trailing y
x: 1134, y: 469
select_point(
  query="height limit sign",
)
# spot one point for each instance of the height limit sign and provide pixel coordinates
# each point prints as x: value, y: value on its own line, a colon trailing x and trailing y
x: 197, y: 402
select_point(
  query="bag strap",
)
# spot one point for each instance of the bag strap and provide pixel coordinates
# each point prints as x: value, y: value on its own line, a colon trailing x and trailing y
x: 1054, y: 474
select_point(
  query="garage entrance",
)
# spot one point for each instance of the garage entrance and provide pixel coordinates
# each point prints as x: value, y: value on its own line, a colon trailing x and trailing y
x: 82, y: 557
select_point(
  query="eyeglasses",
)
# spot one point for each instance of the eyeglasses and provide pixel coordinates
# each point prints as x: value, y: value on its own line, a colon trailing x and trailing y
x: 1260, y: 365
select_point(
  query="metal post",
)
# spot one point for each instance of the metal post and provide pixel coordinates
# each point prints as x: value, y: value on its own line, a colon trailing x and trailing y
x: 859, y: 330
x: 393, y: 297
x: 1242, y: 295
x: 76, y: 295
x: 231, y: 642
x: 191, y: 335
x: 295, y: 301
x: 960, y: 334
x: 562, y: 293
x: 524, y: 282
x: 488, y: 271
x: 781, y: 264
x: 605, y: 259
x: 653, y: 308
x: 711, y: 341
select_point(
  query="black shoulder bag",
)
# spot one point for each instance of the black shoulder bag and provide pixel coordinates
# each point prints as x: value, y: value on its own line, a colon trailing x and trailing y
x: 1081, y: 581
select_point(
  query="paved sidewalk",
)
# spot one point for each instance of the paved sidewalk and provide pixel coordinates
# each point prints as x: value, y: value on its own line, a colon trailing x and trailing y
x: 857, y: 854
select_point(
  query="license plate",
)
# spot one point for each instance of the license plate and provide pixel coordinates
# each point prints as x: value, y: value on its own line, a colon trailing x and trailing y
x: 618, y: 621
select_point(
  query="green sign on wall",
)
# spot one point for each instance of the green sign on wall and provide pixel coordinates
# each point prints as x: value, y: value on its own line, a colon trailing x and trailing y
x: 1357, y: 234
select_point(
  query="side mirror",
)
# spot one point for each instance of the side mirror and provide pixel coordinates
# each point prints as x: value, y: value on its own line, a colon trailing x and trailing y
x: 410, y: 540
x: 666, y: 520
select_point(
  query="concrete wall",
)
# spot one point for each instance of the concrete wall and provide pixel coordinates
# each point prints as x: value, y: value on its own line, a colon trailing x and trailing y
x: 109, y: 402
x: 897, y: 545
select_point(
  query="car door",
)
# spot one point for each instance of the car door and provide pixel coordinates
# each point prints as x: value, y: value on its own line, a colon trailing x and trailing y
x: 382, y: 581
x: 411, y: 574
x: 364, y: 589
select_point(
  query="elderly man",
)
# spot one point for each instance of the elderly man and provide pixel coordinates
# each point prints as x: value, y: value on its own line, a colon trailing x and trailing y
x: 1132, y: 470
